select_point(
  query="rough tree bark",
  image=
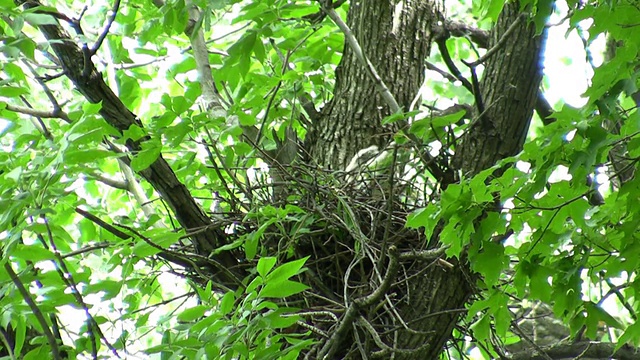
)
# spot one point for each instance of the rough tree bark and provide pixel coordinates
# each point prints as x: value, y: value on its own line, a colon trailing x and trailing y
x: 352, y: 121
x: 508, y: 90
x: 397, y: 40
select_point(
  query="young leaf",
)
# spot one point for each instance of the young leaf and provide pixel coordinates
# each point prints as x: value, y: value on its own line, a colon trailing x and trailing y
x: 193, y: 313
x: 285, y: 271
x: 282, y: 289
x: 265, y: 265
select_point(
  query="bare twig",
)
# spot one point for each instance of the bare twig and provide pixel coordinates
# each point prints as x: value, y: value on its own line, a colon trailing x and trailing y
x: 357, y: 50
x: 57, y: 109
x: 214, y: 164
x: 169, y: 254
x: 442, y: 46
x: 164, y: 302
x: 503, y: 40
x: 331, y: 346
x: 424, y: 255
x: 120, y: 234
x: 386, y: 349
x: 105, y: 32
x: 231, y: 174
x: 66, y: 276
x: 55, y: 350
x: 443, y: 73
x: 86, y: 249
x: 114, y: 183
x: 625, y: 302
x: 38, y: 113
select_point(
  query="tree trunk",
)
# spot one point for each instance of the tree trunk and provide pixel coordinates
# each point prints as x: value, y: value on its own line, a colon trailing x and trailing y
x: 508, y: 91
x: 397, y: 40
x: 433, y: 296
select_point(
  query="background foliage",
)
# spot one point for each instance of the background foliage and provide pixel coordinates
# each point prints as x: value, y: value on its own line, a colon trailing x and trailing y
x: 81, y: 234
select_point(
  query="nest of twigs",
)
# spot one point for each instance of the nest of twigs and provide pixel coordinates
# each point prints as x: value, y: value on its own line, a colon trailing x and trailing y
x: 353, y: 231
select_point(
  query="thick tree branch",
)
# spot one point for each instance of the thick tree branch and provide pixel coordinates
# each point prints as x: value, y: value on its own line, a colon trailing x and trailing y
x: 509, y: 88
x: 435, y: 167
x: 459, y: 29
x: 580, y: 350
x: 91, y: 84
x: 544, y: 109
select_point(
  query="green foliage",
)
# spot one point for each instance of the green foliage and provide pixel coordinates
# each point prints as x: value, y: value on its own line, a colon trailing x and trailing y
x: 240, y: 325
x: 528, y: 226
x: 45, y: 179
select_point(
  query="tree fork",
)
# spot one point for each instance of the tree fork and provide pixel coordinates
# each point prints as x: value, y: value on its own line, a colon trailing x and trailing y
x: 351, y: 121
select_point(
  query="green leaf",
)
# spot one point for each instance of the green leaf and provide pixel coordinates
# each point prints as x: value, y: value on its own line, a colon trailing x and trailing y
x: 259, y: 51
x: 502, y: 319
x: 12, y: 91
x: 205, y: 323
x: 539, y: 283
x: 91, y: 108
x: 111, y: 288
x: 287, y: 270
x: 134, y: 132
x: 27, y: 47
x: 37, y: 19
x: 149, y: 154
x: 8, y: 5
x: 446, y: 120
x: 544, y: 9
x: 298, y: 10
x: 74, y: 157
x: 631, y: 334
x: 282, y: 289
x: 20, y: 334
x: 40, y: 352
x: 193, y: 313
x: 180, y: 104
x: 398, y: 116
x: 482, y: 328
x: 227, y: 303
x: 490, y: 262
x: 251, y: 243
x: 278, y: 321
x: 253, y: 285
x: 14, y: 72
x: 597, y: 313
x: 35, y: 253
x: 488, y: 9
x: 265, y: 265
x: 165, y: 119
x: 427, y: 217
x: 239, y: 53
